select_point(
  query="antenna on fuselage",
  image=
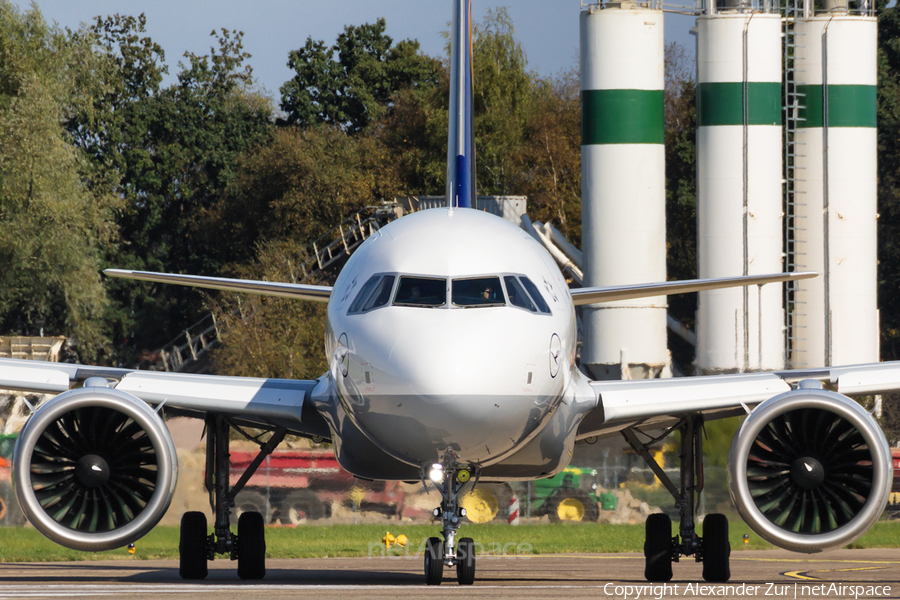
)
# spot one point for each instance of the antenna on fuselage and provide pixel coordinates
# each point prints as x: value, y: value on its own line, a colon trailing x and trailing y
x: 460, y: 139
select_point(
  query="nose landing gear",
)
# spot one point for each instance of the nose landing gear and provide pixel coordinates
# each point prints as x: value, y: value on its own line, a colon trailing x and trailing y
x: 449, y: 479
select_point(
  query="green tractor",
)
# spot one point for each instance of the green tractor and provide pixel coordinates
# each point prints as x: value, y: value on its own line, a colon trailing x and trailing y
x: 567, y: 496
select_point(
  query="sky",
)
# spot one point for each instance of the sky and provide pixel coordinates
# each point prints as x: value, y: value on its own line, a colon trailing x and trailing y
x: 547, y: 29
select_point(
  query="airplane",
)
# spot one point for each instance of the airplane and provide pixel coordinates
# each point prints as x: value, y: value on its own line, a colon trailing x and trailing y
x: 451, y: 347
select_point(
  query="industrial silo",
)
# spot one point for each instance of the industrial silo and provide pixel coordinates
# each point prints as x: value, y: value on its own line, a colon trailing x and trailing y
x: 836, y: 314
x: 739, y: 172
x: 623, y: 186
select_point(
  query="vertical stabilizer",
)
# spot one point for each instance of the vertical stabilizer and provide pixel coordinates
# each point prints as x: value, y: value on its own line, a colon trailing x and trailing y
x: 460, y: 142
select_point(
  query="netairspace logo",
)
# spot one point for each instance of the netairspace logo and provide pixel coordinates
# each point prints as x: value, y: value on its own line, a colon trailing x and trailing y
x: 774, y: 590
x: 486, y: 551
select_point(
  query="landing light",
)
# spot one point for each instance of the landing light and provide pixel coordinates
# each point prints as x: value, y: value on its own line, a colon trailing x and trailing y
x: 436, y: 474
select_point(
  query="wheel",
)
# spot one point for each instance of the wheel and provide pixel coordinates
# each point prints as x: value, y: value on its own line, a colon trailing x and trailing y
x: 301, y: 505
x: 251, y: 546
x: 658, y: 548
x: 573, y: 505
x: 716, y: 549
x: 465, y: 561
x: 192, y: 546
x: 252, y: 501
x: 434, y: 561
x: 481, y: 505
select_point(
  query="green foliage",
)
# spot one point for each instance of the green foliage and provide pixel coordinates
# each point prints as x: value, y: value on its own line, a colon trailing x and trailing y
x: 54, y: 224
x: 172, y: 153
x: 271, y: 337
x: 503, y: 96
x: 889, y: 180
x: 356, y: 86
x: 300, y: 185
x: 681, y: 191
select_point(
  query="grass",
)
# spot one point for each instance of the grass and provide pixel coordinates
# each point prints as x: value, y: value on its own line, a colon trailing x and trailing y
x: 27, y: 545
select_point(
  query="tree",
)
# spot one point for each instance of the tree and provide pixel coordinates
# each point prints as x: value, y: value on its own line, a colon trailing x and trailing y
x: 351, y: 83
x: 54, y: 225
x: 171, y: 153
x: 548, y: 161
x: 889, y: 180
x: 504, y: 93
x: 300, y: 185
x: 271, y: 337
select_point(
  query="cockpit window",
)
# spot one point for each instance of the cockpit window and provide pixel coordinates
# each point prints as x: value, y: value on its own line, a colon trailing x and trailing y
x: 517, y: 295
x: 481, y: 291
x: 535, y: 295
x: 421, y: 291
x: 382, y: 294
x: 363, y: 294
x: 376, y: 292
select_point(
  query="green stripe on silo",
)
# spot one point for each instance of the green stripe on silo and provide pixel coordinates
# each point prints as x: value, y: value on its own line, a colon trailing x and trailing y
x: 723, y: 103
x: 622, y: 117
x: 848, y: 105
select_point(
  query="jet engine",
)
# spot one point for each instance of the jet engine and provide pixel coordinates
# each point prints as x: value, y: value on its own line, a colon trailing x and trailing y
x: 94, y: 468
x: 810, y: 469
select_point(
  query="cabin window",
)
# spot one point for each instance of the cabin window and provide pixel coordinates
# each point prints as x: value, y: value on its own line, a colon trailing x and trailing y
x: 375, y: 293
x: 479, y: 291
x: 535, y: 295
x: 421, y: 291
x: 517, y: 295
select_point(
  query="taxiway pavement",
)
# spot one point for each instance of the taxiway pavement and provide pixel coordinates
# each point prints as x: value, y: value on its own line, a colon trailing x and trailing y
x: 771, y: 574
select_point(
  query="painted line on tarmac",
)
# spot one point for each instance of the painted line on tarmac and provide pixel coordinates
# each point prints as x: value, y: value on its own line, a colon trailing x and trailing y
x: 821, y: 560
x: 90, y: 590
x: 806, y: 574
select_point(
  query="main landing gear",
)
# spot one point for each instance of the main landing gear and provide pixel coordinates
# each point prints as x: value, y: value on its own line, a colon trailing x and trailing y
x: 248, y: 547
x: 449, y: 479
x: 660, y: 547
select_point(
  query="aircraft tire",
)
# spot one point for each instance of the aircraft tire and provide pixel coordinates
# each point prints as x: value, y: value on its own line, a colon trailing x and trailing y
x: 251, y: 546
x: 716, y: 549
x: 465, y: 561
x: 192, y: 546
x: 434, y: 561
x: 573, y: 505
x: 658, y: 548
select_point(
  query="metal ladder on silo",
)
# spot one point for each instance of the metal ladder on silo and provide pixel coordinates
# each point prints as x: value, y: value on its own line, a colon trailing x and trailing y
x: 794, y: 254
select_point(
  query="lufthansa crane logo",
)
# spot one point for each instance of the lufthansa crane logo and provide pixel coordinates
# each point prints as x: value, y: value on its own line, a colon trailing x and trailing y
x: 555, y: 354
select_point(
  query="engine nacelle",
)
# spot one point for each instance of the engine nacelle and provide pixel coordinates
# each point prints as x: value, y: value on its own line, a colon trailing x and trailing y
x: 94, y: 468
x: 810, y: 470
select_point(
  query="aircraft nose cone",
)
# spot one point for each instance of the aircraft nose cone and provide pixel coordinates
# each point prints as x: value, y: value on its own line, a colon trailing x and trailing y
x: 92, y: 471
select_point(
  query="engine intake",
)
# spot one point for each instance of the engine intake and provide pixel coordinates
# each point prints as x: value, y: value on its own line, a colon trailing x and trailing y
x: 810, y: 470
x: 94, y: 468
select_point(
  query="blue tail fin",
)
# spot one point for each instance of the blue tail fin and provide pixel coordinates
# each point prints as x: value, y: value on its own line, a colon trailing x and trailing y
x: 461, y: 143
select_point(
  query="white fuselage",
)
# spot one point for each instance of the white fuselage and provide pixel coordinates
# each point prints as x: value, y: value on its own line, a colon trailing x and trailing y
x: 426, y: 364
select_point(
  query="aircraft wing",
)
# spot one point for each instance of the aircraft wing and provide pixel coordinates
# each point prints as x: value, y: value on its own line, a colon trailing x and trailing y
x: 320, y: 293
x: 591, y: 295
x: 659, y: 403
x: 264, y: 402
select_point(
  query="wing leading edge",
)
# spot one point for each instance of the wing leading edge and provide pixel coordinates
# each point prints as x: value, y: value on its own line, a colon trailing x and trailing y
x: 593, y: 295
x: 319, y: 293
x: 258, y: 400
x: 657, y: 403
